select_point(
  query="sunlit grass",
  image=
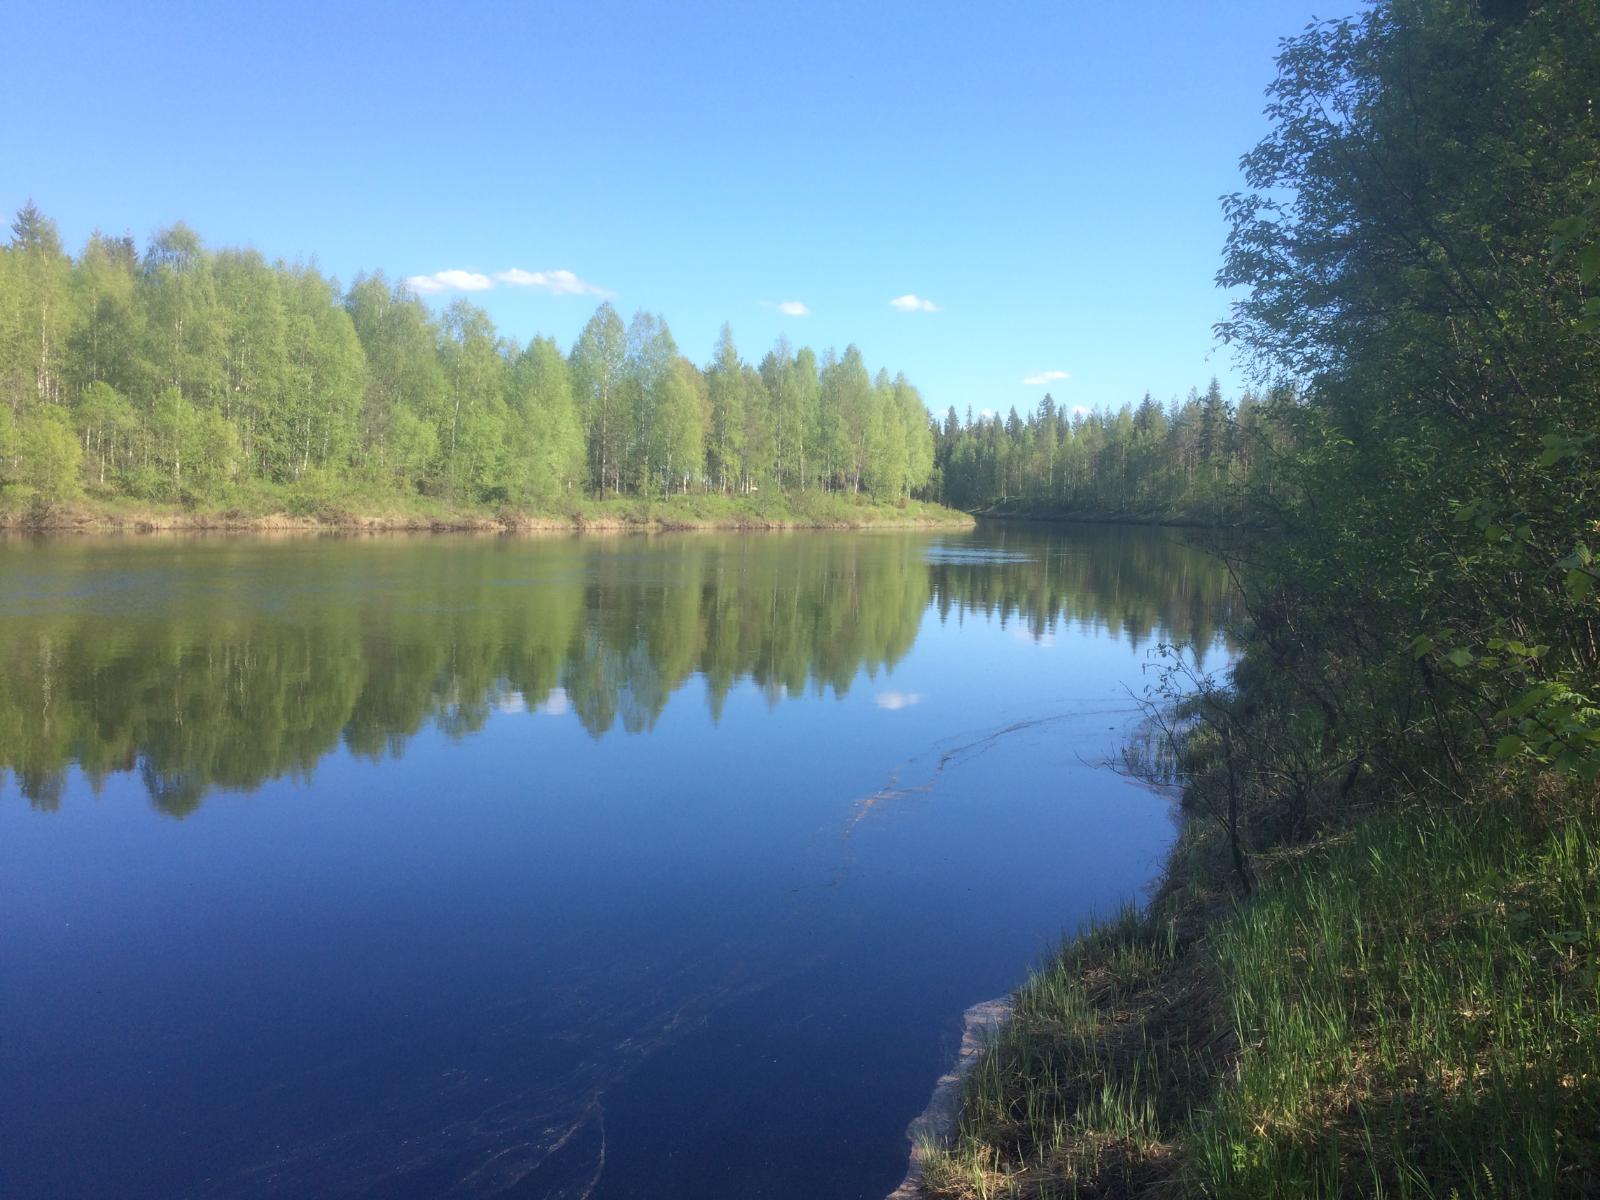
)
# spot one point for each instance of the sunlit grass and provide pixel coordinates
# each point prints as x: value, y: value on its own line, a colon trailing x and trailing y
x: 267, y: 506
x: 1411, y: 1010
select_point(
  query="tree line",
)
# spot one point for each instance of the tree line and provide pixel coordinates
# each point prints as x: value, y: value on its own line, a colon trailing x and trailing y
x: 1197, y: 459
x: 185, y: 374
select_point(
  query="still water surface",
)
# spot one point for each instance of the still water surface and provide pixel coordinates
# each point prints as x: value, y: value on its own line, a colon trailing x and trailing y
x: 625, y: 867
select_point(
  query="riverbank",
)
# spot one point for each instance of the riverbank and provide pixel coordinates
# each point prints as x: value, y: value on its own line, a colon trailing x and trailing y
x: 1150, y: 519
x: 810, y: 511
x: 1406, y: 1003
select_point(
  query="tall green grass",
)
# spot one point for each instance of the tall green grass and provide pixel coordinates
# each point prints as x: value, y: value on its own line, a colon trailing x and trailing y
x: 1418, y: 1015
x: 1411, y: 1010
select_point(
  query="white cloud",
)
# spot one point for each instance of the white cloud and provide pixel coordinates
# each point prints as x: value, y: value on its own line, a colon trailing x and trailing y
x: 1023, y: 633
x: 793, y: 308
x: 895, y: 701
x: 1081, y: 410
x: 553, y: 705
x: 449, y: 281
x: 557, y: 283
x: 913, y: 303
x: 986, y: 414
x: 1044, y: 377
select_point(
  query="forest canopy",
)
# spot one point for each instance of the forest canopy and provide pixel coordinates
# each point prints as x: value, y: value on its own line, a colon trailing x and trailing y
x: 186, y: 375
x: 191, y: 375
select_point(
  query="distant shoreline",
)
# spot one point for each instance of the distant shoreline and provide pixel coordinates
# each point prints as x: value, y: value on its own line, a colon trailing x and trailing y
x: 1090, y: 518
x: 617, y: 516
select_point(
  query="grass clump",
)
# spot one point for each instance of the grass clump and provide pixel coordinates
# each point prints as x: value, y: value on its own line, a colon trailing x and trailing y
x: 1407, y: 1008
x: 1077, y: 1092
x: 1418, y: 1014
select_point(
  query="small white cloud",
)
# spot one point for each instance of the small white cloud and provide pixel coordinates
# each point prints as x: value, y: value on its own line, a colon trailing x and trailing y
x: 449, y: 281
x: 985, y: 414
x: 895, y: 701
x: 1044, y: 377
x: 913, y: 303
x: 557, y: 283
x: 553, y: 705
x: 1023, y: 633
x: 793, y: 308
x: 1081, y: 410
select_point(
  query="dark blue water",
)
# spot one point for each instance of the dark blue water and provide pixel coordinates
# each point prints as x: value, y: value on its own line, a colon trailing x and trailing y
x: 543, y: 868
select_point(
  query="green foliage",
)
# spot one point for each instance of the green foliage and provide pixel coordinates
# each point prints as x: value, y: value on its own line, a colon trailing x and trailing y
x: 1406, y: 1003
x: 677, y: 432
x: 1440, y: 487
x: 544, y: 438
x: 195, y: 377
x: 1203, y: 460
x: 598, y: 360
x: 48, y: 455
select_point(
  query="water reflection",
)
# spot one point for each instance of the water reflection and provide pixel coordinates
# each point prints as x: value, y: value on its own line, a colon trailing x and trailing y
x: 630, y: 867
x: 222, y: 663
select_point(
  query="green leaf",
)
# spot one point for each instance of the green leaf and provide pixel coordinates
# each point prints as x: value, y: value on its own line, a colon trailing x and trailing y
x: 1508, y: 747
x: 1580, y: 557
x: 1528, y: 701
x: 1589, y: 263
x: 1421, y: 646
x: 1558, y: 446
x: 1459, y: 657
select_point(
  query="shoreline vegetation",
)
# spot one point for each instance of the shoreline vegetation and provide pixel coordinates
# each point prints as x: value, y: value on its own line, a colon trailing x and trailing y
x: 585, y: 515
x: 1149, y: 519
x: 1372, y: 964
x: 1403, y: 1004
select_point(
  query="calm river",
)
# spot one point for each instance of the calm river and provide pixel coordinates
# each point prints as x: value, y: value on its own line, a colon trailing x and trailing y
x: 616, y: 867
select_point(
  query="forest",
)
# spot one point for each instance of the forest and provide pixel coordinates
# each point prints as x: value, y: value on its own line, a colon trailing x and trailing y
x: 215, y: 379
x: 187, y: 375
x: 1195, y: 461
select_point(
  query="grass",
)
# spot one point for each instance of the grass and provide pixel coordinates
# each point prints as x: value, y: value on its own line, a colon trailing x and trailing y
x: 1408, y: 1009
x: 263, y: 506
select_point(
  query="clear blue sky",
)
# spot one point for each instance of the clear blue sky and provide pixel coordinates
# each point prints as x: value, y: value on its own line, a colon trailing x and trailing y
x: 1047, y: 175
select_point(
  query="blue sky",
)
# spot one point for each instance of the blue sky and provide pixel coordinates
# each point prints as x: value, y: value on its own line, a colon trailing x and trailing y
x: 1045, y: 176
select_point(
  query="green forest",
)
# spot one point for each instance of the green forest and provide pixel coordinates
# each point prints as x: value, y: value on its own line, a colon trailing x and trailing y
x: 1196, y: 460
x: 216, y: 380
x: 1373, y: 966
x: 213, y: 377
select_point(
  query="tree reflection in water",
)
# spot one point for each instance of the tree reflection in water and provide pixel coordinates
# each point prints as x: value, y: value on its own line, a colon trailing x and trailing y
x: 208, y: 664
